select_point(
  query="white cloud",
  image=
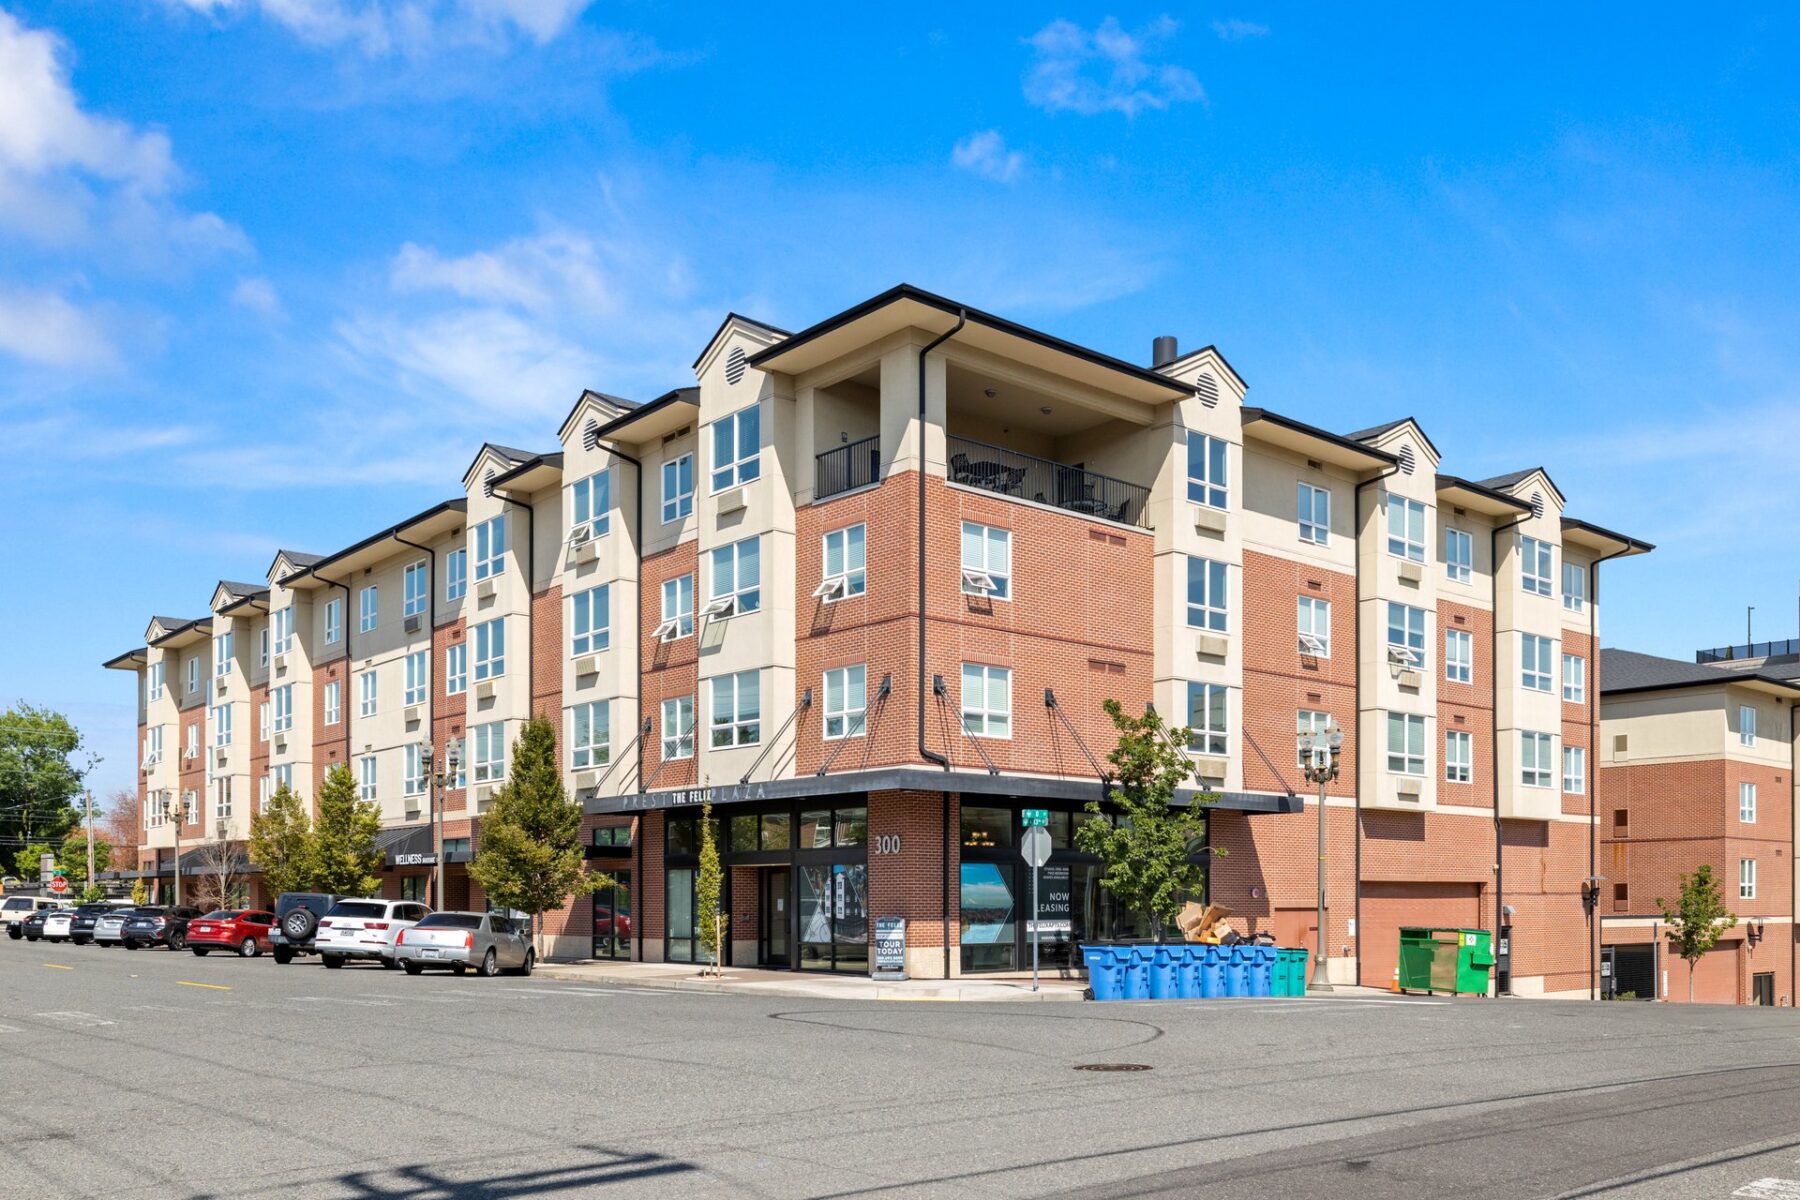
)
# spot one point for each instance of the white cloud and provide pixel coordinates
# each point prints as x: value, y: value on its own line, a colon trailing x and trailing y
x: 43, y: 328
x: 986, y: 155
x: 1106, y: 69
x: 531, y: 273
x: 379, y: 28
x: 259, y: 296
x: 1234, y: 30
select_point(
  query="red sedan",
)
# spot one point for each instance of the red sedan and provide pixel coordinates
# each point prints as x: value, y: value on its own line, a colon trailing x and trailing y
x: 246, y: 931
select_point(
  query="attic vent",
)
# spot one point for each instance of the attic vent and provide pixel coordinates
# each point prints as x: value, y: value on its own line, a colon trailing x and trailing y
x: 487, y: 484
x: 1207, y: 388
x: 1407, y: 462
x: 590, y: 434
x: 1537, y: 504
x: 734, y: 365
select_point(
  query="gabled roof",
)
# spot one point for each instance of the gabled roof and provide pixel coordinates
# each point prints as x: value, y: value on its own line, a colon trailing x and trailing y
x: 509, y: 457
x: 229, y: 593
x: 1377, y: 432
x: 1169, y: 367
x: 1315, y: 442
x: 1626, y: 671
x: 601, y: 400
x: 164, y: 630
x: 730, y: 319
x: 295, y: 560
x: 433, y: 521
x: 131, y: 660
x: 1480, y: 497
x: 1512, y: 479
x: 534, y: 474
x: 673, y: 408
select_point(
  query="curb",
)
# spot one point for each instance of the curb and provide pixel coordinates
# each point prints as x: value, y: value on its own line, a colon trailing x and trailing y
x: 682, y: 983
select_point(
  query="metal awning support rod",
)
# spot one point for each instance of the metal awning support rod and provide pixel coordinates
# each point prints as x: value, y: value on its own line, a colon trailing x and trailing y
x: 805, y: 703
x: 1167, y: 737
x: 937, y: 689
x: 624, y: 754
x: 1050, y: 703
x: 651, y: 782
x: 862, y: 719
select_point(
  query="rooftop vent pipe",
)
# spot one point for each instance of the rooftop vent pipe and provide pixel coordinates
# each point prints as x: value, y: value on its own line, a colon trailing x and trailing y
x: 1163, y: 351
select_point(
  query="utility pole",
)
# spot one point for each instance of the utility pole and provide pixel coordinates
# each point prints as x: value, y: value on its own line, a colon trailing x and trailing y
x: 88, y: 794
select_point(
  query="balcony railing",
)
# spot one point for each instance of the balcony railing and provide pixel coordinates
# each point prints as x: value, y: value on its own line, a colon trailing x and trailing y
x: 1010, y: 473
x: 848, y: 467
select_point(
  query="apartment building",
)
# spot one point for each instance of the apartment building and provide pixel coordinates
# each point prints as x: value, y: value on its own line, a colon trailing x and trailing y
x: 1697, y: 763
x: 865, y: 588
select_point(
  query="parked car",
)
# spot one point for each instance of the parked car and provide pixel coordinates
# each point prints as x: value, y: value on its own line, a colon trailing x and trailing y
x: 14, y: 910
x: 366, y: 929
x: 297, y: 917
x: 109, y: 927
x: 611, y: 923
x: 245, y: 931
x: 159, y: 927
x: 489, y: 942
x: 81, y: 929
x: 32, y: 927
x: 57, y: 922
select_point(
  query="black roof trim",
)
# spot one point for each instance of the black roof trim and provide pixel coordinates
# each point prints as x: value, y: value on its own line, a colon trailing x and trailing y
x: 1482, y: 489
x: 181, y: 628
x: 1375, y: 431
x: 553, y: 459
x: 459, y: 504
x: 1336, y: 439
x: 907, y: 291
x: 690, y: 394
x: 1637, y: 544
x: 729, y: 318
x: 141, y: 654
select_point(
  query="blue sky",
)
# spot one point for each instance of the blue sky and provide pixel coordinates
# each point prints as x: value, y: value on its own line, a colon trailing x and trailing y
x: 270, y: 270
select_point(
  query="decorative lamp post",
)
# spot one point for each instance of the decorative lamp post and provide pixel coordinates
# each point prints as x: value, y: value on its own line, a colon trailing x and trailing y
x: 439, y: 781
x: 1319, y: 755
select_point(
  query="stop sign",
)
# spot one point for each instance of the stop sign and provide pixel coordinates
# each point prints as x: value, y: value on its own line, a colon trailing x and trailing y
x: 59, y: 885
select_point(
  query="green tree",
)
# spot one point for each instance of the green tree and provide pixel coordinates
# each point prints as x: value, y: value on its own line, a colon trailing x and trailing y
x: 531, y: 858
x: 281, y: 843
x: 140, y: 891
x: 1697, y: 919
x: 710, y: 919
x: 25, y: 862
x: 41, y: 764
x: 71, y: 860
x: 1150, y: 853
x: 342, y: 856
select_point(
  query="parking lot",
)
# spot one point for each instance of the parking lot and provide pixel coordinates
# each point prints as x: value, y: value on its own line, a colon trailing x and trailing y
x: 161, y: 1074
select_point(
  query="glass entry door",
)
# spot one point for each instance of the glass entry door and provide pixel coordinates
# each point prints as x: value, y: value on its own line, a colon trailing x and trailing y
x: 775, y: 917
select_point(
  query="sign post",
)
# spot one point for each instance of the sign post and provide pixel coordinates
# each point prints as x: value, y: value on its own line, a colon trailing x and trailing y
x: 1035, y: 846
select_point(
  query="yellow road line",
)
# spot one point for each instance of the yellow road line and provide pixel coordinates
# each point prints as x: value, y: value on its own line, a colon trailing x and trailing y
x: 58, y: 967
x: 217, y: 987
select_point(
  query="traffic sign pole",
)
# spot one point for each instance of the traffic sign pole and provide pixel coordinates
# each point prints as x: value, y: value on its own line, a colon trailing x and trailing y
x: 1034, y: 929
x: 1035, y: 847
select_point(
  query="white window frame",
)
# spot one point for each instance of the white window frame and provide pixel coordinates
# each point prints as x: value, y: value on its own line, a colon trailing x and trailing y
x: 153, y: 745
x: 1408, y: 621
x: 262, y: 721
x: 1408, y: 540
x: 1209, y: 719
x: 1746, y: 725
x: 490, y: 649
x: 1312, y: 617
x: 1459, y: 555
x: 844, y: 563
x: 734, y: 717
x: 193, y: 673
x: 1746, y: 802
x: 1312, y: 513
x: 222, y: 654
x: 1459, y: 756
x: 1535, y: 655
x: 733, y: 466
x: 368, y: 693
x: 191, y: 741
x: 1459, y: 656
x: 1309, y: 720
x: 982, y: 717
x: 334, y: 623
x: 412, y: 781
x: 456, y: 669
x: 334, y: 702
x: 1537, y: 757
x: 1208, y: 470
x: 415, y: 589
x: 487, y: 752
x: 1405, y: 754
x: 677, y: 609
x: 490, y: 548
x: 1574, y: 770
x: 282, y: 776
x: 221, y: 723
x: 222, y: 798
x: 281, y: 704
x: 282, y: 622
x: 588, y: 635
x: 735, y: 579
x: 368, y: 609
x: 1536, y: 563
x: 846, y: 701
x: 590, y: 505
x: 678, y: 493
x: 368, y: 776
x: 986, y: 561
x: 1208, y: 594
x: 1574, y: 592
x: 153, y: 684
x: 590, y: 735
x: 456, y: 574
x: 418, y: 678
x: 1746, y: 879
x: 1574, y: 679
x: 262, y: 647
x: 677, y: 715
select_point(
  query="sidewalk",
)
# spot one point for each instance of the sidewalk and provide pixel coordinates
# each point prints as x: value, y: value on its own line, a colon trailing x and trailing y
x: 815, y: 986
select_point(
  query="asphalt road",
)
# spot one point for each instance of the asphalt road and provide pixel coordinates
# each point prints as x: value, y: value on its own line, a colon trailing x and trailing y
x: 161, y: 1075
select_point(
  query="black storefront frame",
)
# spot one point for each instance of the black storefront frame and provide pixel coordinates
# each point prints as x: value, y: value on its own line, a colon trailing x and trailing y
x: 610, y: 852
x: 1052, y: 955
x: 793, y: 857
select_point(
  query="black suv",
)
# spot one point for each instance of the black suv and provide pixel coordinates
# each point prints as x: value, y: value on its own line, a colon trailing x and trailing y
x: 297, y: 922
x: 157, y: 927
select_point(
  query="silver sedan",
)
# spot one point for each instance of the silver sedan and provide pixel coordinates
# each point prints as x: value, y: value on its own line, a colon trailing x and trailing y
x: 488, y: 942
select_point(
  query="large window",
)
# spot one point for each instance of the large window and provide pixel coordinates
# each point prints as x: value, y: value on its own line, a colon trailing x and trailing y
x: 846, y: 701
x: 1747, y: 803
x: 490, y: 547
x: 591, y: 504
x: 1534, y: 565
x: 737, y: 709
x: 1459, y: 756
x: 366, y: 695
x: 1535, y: 765
x: 590, y: 735
x: 281, y: 621
x: 418, y: 677
x: 1405, y: 528
x: 221, y: 723
x: 1534, y: 662
x: 456, y: 574
x: 456, y: 669
x: 986, y: 561
x: 677, y: 608
x: 413, y: 783
x: 1459, y: 656
x: 368, y: 770
x: 1574, y: 770
x: 737, y: 449
x: 986, y: 701
x: 281, y: 705
x: 487, y: 752
x: 1405, y: 634
x: 1746, y: 725
x: 153, y: 684
x: 1206, y: 596
x: 1314, y: 508
x: 678, y: 727
x: 677, y: 488
x: 1206, y: 482
x: 334, y: 624
x: 1459, y: 556
x: 736, y: 579
x: 1406, y: 743
x: 222, y: 653
x: 988, y: 930
x: 415, y: 589
x: 1310, y: 721
x: 590, y: 621
x: 334, y: 702
x: 1574, y: 679
x: 490, y: 649
x: 369, y: 600
x: 1315, y: 626
x: 1746, y: 879
x: 1207, y: 718
x: 1574, y: 586
x: 845, y: 572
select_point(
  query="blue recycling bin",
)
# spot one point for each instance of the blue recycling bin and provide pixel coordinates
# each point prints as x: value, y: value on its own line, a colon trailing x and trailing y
x: 1165, y: 973
x: 1212, y: 972
x: 1106, y: 975
x: 1262, y: 970
x: 1187, y: 966
x: 1237, y: 970
x: 1137, y: 971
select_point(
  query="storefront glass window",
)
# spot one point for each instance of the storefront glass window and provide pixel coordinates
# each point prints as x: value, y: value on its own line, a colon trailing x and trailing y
x: 684, y: 835
x: 989, y: 924
x: 987, y: 828
x: 815, y: 829
x: 681, y: 914
x: 775, y: 831
x: 852, y: 826
x: 743, y: 831
x: 850, y: 914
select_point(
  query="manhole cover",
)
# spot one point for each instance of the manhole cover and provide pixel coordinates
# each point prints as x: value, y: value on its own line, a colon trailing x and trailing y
x: 1111, y: 1067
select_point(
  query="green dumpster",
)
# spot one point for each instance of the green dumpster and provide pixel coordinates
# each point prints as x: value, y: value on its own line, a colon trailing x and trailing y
x: 1453, y: 961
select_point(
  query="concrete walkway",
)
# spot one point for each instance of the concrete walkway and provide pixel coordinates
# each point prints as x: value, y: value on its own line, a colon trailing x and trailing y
x: 814, y: 985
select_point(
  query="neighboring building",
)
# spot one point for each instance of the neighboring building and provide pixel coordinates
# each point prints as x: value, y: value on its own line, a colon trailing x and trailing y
x: 865, y: 588
x: 1697, y: 759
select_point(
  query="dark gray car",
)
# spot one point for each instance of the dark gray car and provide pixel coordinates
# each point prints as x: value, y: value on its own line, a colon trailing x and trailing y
x: 488, y: 942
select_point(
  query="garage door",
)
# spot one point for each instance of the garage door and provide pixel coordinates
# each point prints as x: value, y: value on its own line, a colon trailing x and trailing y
x: 1388, y: 906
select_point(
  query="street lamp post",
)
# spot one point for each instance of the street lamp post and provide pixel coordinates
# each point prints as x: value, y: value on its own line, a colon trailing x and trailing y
x: 1319, y: 754
x: 439, y: 779
x: 180, y: 814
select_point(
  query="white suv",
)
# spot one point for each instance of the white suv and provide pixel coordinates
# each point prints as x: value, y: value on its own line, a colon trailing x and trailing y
x: 365, y: 929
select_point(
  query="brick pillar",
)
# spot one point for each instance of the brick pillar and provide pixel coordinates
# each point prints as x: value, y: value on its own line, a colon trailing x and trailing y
x: 906, y: 874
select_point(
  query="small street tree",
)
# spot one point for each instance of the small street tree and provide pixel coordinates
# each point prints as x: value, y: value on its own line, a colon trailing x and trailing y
x: 1697, y: 919
x: 343, y: 857
x: 121, y: 821
x: 140, y: 892
x: 530, y: 858
x: 71, y: 859
x: 25, y: 862
x: 1149, y: 852
x: 710, y: 919
x: 222, y: 865
x: 281, y: 843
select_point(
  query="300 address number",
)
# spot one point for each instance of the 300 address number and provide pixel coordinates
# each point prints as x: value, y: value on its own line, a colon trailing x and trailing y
x: 887, y: 843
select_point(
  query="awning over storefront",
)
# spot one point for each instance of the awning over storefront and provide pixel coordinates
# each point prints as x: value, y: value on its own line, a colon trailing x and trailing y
x: 413, y: 846
x: 913, y: 779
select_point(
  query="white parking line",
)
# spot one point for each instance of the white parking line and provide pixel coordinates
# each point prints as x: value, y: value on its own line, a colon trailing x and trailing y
x: 71, y: 1017
x: 1770, y: 1189
x: 9, y: 1029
